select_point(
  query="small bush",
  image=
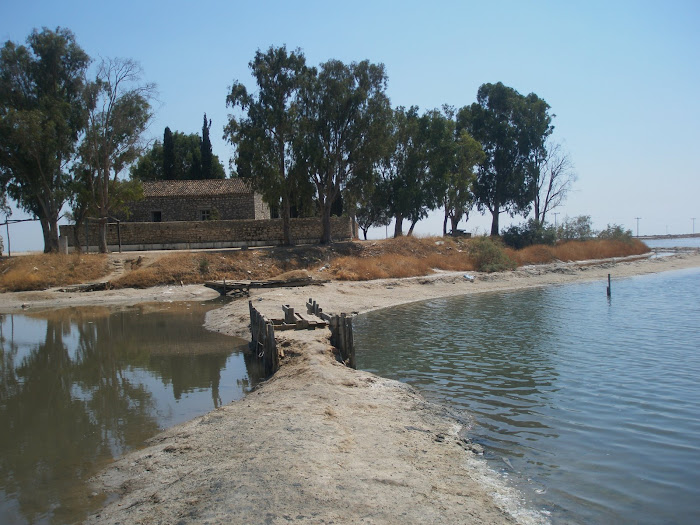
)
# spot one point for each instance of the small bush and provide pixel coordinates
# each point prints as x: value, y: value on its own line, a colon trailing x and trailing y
x: 488, y: 255
x: 529, y: 233
x: 615, y: 232
x: 204, y: 266
x: 576, y: 229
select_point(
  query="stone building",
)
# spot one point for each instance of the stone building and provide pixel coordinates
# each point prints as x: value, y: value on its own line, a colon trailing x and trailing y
x: 197, y: 200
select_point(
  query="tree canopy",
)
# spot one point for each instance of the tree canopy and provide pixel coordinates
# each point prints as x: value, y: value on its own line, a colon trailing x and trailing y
x: 42, y: 113
x: 178, y: 157
x: 345, y: 114
x: 120, y: 110
x: 265, y: 126
x: 512, y: 129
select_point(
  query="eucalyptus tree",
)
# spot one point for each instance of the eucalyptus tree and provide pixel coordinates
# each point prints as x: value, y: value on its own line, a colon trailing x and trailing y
x: 459, y: 197
x: 42, y: 113
x: 344, y: 130
x: 416, y: 167
x: 512, y: 130
x: 267, y: 124
x: 120, y: 111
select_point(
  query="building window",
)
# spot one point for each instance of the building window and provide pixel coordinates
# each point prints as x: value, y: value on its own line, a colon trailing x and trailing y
x: 204, y: 215
x: 156, y: 216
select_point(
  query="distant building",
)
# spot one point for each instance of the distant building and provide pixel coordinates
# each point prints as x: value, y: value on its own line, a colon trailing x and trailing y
x: 197, y: 200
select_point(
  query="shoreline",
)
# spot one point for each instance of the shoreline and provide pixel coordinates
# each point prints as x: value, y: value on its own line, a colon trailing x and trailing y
x: 319, y: 442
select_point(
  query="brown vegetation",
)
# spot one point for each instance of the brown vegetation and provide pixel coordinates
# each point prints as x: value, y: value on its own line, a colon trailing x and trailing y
x: 391, y: 258
x: 41, y: 271
x: 578, y: 251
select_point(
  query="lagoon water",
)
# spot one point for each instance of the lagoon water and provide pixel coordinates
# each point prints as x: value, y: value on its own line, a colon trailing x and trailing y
x: 590, y: 406
x: 81, y: 386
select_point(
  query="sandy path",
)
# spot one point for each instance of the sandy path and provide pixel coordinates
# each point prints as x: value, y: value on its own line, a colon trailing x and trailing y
x: 321, y: 443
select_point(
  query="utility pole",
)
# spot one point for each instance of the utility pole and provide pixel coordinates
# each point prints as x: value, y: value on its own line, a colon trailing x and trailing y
x: 637, y: 225
x: 555, y: 213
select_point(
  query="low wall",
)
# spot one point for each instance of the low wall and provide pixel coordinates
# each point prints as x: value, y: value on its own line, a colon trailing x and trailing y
x: 187, y: 235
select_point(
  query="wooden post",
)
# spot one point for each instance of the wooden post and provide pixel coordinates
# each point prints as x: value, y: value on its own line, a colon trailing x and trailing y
x: 609, y: 287
x: 119, y: 234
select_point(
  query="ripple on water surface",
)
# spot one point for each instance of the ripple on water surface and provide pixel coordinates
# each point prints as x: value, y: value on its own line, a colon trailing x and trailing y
x: 595, y: 403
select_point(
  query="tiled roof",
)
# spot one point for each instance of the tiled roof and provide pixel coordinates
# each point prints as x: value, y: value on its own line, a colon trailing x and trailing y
x: 191, y: 188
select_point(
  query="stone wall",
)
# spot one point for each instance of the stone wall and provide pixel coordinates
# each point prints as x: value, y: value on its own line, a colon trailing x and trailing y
x: 220, y: 207
x: 188, y: 235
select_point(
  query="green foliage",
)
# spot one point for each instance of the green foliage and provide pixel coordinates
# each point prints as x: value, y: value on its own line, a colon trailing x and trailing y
x: 616, y: 232
x: 512, y: 129
x: 529, y: 233
x: 344, y: 113
x: 459, y: 198
x: 204, y: 266
x: 119, y: 113
x: 42, y: 112
x: 577, y: 228
x: 267, y: 124
x: 372, y: 209
x: 206, y: 155
x: 183, y: 163
x: 167, y: 161
x: 416, y: 167
x: 489, y: 256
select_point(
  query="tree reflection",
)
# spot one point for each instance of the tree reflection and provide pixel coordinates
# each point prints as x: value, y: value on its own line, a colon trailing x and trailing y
x: 76, y: 397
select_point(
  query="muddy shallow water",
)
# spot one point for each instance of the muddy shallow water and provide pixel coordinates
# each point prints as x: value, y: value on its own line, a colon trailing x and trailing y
x: 82, y: 386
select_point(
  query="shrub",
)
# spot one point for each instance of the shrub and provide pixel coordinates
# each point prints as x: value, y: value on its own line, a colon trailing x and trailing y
x: 489, y: 255
x: 529, y: 233
x: 576, y: 229
x: 615, y: 232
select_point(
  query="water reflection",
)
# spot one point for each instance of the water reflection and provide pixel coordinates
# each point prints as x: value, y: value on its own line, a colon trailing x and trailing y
x: 81, y: 386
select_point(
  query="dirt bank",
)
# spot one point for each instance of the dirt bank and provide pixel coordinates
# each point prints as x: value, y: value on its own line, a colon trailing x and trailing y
x: 321, y: 443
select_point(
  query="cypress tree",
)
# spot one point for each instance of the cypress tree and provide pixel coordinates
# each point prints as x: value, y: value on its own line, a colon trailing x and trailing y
x: 205, y: 149
x: 168, y: 155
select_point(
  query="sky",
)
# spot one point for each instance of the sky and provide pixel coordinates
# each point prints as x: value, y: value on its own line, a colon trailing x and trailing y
x: 622, y: 78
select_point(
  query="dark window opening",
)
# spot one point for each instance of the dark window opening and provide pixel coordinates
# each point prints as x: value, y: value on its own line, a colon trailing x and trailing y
x: 204, y: 215
x: 156, y: 216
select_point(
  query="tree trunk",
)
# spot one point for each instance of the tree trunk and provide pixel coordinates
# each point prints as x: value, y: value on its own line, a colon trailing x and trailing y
x: 103, y: 235
x: 398, y: 227
x: 364, y: 232
x: 455, y: 222
x: 494, y: 222
x: 49, y: 228
x: 326, y: 222
x: 410, y: 230
x: 286, y: 226
x: 444, y: 224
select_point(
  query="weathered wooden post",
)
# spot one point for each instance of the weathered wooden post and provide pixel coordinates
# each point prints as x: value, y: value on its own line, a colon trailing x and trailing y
x: 609, y: 287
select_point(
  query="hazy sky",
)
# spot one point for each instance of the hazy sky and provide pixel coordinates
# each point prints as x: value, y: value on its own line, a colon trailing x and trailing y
x: 622, y: 78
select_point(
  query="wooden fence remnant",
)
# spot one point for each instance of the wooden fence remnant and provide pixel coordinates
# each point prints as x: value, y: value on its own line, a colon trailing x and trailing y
x: 262, y: 332
x: 263, y: 340
x: 341, y: 331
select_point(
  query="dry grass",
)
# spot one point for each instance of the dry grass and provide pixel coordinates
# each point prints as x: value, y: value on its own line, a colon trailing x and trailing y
x: 403, y: 257
x: 391, y: 258
x: 577, y: 251
x: 41, y: 271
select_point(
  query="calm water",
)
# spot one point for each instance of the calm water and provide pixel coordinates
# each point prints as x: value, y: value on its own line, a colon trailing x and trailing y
x: 683, y: 242
x: 591, y: 407
x: 79, y: 387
